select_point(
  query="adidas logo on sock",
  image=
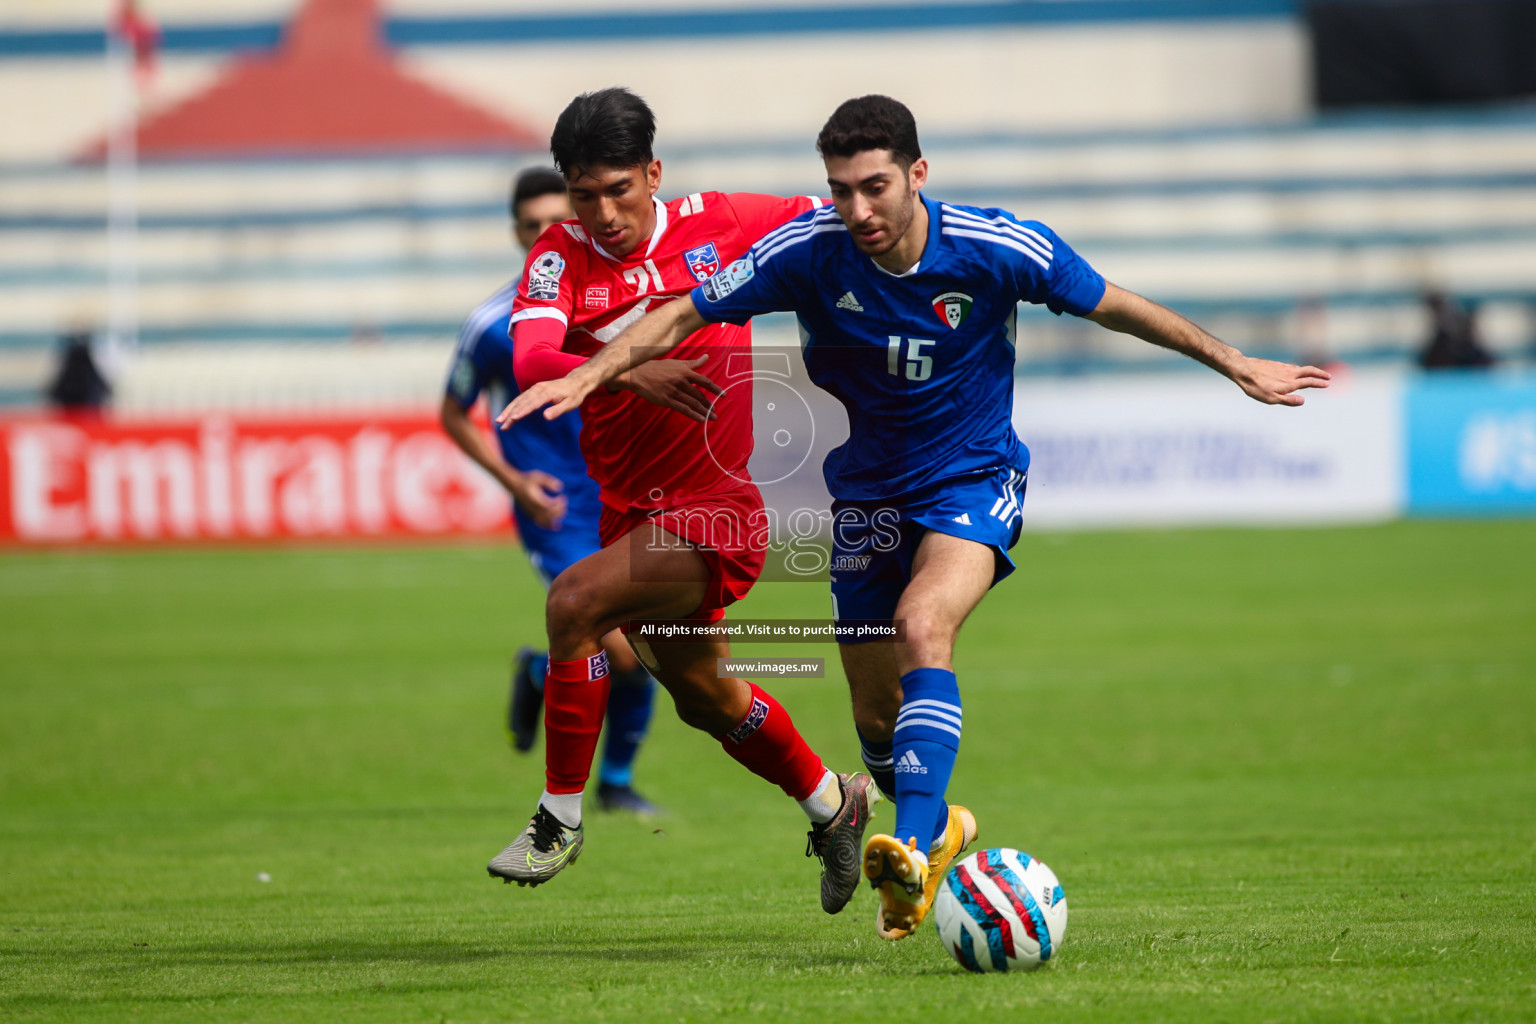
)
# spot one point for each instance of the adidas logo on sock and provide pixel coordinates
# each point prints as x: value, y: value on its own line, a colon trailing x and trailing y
x: 964, y: 519
x: 849, y: 302
x: 909, y: 763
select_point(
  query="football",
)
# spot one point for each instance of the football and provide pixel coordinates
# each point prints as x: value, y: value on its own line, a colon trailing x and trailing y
x: 1000, y: 910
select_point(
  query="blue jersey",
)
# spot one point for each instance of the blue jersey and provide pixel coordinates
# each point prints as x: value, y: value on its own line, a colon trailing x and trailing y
x: 483, y: 362
x: 922, y: 361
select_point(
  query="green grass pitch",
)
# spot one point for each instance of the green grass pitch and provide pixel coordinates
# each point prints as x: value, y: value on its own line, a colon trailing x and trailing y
x: 1283, y: 775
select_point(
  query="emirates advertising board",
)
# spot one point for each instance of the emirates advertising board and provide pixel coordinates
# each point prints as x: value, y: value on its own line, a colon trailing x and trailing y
x: 228, y: 479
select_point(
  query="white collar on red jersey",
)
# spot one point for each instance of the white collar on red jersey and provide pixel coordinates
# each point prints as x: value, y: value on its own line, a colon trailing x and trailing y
x: 661, y: 229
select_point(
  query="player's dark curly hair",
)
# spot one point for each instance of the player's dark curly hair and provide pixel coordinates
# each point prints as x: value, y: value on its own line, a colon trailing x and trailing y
x: 608, y: 128
x: 871, y: 122
x: 533, y: 182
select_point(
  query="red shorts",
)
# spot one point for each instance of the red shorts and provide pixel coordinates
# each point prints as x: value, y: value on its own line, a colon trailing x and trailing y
x: 729, y: 530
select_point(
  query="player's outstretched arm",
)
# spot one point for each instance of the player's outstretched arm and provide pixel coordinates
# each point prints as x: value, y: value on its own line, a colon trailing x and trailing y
x: 654, y: 334
x: 537, y: 492
x: 1261, y: 379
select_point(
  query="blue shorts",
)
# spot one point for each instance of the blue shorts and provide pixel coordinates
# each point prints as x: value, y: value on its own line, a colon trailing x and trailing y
x: 874, y: 542
x: 554, y: 551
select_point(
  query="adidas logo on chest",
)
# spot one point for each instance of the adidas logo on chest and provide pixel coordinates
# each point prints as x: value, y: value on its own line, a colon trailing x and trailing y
x: 850, y: 303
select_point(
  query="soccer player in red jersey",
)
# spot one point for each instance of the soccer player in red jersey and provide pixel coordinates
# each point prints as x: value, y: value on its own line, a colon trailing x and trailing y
x: 682, y: 523
x: 946, y: 475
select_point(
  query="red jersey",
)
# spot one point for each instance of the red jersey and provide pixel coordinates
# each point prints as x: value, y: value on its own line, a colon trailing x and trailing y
x: 644, y: 456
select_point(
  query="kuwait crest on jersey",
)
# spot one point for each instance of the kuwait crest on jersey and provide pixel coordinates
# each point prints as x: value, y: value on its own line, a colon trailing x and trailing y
x: 952, y: 308
x: 703, y: 261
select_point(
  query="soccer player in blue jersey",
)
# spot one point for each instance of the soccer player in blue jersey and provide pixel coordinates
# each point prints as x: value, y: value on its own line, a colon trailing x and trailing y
x: 907, y: 308
x: 555, y: 502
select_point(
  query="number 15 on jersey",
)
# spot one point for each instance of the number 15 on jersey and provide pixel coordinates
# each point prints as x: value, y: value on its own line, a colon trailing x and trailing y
x: 918, y: 366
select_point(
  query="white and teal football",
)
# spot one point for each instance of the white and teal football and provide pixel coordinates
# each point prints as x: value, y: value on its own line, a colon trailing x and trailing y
x: 1000, y: 910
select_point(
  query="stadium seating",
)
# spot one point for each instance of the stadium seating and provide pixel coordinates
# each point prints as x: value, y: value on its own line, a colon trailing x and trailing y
x: 1286, y: 235
x: 1236, y: 227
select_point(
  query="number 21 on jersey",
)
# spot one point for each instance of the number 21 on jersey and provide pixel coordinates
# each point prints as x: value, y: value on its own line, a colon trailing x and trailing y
x: 918, y: 366
x: 645, y: 278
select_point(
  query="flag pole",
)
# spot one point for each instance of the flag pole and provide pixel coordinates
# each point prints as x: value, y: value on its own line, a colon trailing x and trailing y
x: 122, y: 196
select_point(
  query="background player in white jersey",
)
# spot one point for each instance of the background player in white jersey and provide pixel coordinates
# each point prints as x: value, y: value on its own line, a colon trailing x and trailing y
x: 908, y: 306
x: 555, y: 502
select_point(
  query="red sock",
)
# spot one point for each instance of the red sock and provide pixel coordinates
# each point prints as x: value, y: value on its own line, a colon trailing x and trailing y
x: 575, y: 697
x: 770, y: 746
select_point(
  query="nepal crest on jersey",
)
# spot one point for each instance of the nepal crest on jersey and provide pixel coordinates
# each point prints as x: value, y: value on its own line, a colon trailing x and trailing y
x: 702, y: 261
x: 952, y: 308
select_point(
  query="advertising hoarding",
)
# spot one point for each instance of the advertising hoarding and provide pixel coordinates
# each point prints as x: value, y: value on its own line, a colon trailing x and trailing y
x: 1472, y: 444
x: 1164, y: 450
x: 224, y: 479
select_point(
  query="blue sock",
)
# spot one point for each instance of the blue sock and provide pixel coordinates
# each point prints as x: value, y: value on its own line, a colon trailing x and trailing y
x: 538, y: 668
x: 926, y: 741
x: 881, y: 766
x: 630, y: 699
x: 877, y: 758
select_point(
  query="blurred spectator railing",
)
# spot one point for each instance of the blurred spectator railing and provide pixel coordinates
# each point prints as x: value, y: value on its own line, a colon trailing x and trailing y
x: 1313, y: 241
